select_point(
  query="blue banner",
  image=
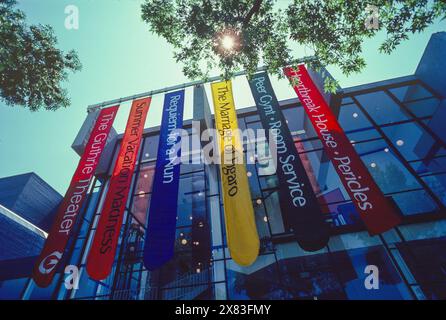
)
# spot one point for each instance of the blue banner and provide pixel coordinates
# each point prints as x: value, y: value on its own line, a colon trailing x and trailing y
x: 161, y: 223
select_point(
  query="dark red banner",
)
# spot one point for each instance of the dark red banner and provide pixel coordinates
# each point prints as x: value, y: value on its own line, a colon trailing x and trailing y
x: 65, y: 219
x: 102, y: 252
x: 374, y: 209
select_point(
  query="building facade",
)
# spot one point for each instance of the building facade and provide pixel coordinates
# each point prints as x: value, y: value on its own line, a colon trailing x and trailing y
x: 31, y: 197
x: 394, y: 127
x: 27, y: 208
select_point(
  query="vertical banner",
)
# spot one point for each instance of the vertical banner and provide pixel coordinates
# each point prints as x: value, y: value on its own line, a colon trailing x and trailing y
x: 105, y: 241
x: 161, y: 224
x: 66, y: 216
x: 241, y: 230
x: 298, y: 203
x: 374, y: 209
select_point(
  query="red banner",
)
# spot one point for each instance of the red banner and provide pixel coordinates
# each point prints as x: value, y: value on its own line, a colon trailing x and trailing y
x: 102, y: 252
x: 374, y: 209
x: 65, y: 219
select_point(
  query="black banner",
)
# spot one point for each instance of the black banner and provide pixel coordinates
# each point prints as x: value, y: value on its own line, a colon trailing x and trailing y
x: 298, y: 203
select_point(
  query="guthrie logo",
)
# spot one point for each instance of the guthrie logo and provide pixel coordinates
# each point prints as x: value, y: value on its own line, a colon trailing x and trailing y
x: 49, y: 262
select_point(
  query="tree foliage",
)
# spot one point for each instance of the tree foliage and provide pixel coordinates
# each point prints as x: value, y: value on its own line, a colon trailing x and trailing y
x: 334, y: 30
x: 32, y: 69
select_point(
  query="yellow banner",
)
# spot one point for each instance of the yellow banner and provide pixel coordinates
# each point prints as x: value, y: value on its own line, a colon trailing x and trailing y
x: 241, y: 230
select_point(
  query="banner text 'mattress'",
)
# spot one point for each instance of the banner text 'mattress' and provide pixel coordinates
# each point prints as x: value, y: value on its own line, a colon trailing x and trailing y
x: 102, y: 253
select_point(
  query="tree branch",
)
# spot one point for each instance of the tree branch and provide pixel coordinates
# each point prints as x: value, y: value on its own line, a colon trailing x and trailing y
x: 255, y: 9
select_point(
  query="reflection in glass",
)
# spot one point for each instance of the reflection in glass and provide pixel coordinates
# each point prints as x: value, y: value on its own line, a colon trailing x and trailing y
x: 298, y: 122
x: 258, y: 281
x: 437, y: 183
x: 387, y: 171
x: 426, y: 260
x: 414, y: 202
x: 423, y: 108
x: 351, y: 118
x: 150, y: 148
x: 406, y: 138
x: 381, y: 107
x: 430, y: 166
x: 410, y: 92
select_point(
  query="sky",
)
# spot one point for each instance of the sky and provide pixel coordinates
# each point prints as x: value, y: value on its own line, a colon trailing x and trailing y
x: 120, y: 57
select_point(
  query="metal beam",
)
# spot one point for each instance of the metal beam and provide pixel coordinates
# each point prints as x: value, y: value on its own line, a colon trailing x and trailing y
x: 101, y: 105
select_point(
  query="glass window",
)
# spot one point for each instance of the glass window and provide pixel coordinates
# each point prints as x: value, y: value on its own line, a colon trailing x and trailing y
x: 370, y: 147
x: 46, y: 293
x: 310, y: 277
x: 354, y: 240
x: 350, y: 266
x: 298, y: 122
x: 249, y: 137
x: 190, y: 168
x: 145, y: 178
x: 191, y: 198
x: 410, y: 92
x: 414, y: 202
x: 241, y: 122
x: 262, y: 225
x: 140, y: 207
x: 94, y: 198
x: 258, y: 281
x: 441, y: 152
x: 12, y: 289
x: 264, y: 162
x: 307, y: 145
x: 143, y: 188
x: 423, y: 108
x: 381, y: 107
x: 87, y: 286
x: 308, y: 159
x: 426, y: 230
x: 437, y: 183
x: 340, y: 213
x: 77, y: 250
x: 430, y: 166
x: 406, y: 138
x: 327, y: 177
x: 347, y: 100
x: 363, y: 135
x: 254, y: 186
x: 183, y: 239
x: 274, y: 214
x: 427, y: 261
x: 197, y: 292
x: 150, y: 148
x: 387, y: 171
x: 181, y: 271
x: 253, y: 118
x: 115, y: 157
x: 220, y: 291
x: 352, y: 118
x: 268, y: 182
